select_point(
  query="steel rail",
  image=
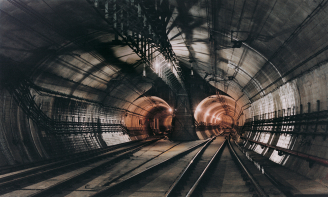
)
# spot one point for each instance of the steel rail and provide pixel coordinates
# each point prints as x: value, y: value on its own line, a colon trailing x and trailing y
x: 57, y: 163
x: 143, y: 163
x: 260, y: 191
x: 193, y: 188
x: 279, y: 185
x: 58, y: 167
x: 64, y: 183
x: 64, y: 158
x: 111, y: 189
x: 169, y: 193
x: 265, y: 172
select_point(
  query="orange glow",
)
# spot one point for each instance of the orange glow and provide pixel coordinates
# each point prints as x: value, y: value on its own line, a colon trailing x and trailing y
x: 212, y: 111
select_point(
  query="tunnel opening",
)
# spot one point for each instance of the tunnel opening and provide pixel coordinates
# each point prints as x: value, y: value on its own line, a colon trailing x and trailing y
x: 155, y: 116
x: 224, y: 120
x: 158, y: 121
x: 217, y: 114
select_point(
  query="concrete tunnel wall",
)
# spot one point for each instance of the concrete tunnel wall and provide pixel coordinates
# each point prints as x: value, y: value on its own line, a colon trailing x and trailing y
x: 23, y: 142
x: 306, y: 89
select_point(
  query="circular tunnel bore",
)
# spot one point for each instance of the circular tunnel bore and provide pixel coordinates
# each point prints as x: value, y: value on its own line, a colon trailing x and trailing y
x: 216, y: 114
x: 156, y: 116
x: 224, y: 120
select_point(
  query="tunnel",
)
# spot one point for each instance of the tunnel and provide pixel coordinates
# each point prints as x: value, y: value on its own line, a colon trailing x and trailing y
x: 141, y: 82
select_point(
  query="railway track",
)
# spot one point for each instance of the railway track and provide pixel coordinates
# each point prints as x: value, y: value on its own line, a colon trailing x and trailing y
x: 213, y: 169
x: 65, y: 158
x: 19, y: 179
x: 207, y: 168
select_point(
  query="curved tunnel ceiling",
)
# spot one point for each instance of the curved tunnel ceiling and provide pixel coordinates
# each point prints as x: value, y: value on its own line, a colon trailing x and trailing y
x: 67, y: 62
x: 66, y: 47
x: 147, y: 105
x: 215, y: 109
x: 280, y: 39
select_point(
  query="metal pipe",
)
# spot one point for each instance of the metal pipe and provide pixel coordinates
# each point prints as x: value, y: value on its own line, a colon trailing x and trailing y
x: 291, y: 132
x: 291, y: 152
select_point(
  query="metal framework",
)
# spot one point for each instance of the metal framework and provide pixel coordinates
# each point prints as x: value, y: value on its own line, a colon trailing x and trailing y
x: 142, y: 26
x: 310, y: 158
x: 284, y: 122
x: 212, y: 10
x: 22, y: 95
x: 307, y: 124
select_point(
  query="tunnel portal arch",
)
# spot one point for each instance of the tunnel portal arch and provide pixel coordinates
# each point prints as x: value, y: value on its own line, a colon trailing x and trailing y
x: 217, y: 109
x: 156, y: 115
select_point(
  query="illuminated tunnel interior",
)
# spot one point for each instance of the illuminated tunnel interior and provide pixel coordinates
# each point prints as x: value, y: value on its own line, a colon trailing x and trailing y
x: 156, y: 116
x: 79, y: 75
x: 216, y: 110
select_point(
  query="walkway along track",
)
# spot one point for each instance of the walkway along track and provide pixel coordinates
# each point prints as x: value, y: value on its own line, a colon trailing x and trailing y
x: 15, y: 180
x: 186, y: 171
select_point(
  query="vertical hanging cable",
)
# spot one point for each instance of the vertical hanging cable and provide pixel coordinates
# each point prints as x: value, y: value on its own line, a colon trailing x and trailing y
x: 122, y: 24
x: 144, y: 70
x: 115, y: 18
x: 106, y: 10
